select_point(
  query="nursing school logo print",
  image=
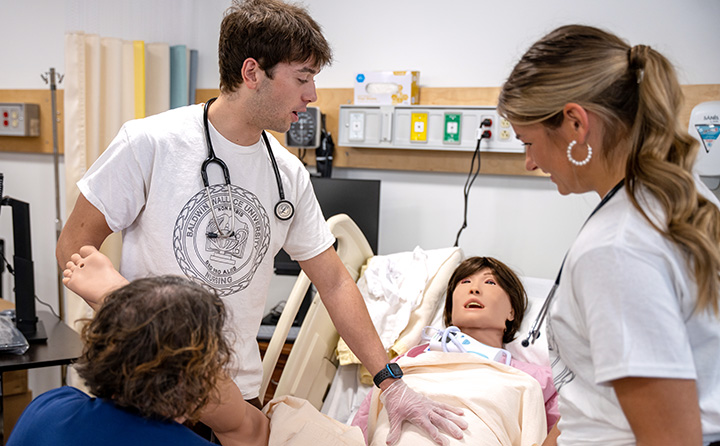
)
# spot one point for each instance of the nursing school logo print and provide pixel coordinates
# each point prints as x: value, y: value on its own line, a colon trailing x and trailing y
x: 226, y: 264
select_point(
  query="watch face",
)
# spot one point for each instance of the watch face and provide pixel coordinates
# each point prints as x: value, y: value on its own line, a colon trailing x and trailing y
x: 395, y: 370
x: 306, y: 131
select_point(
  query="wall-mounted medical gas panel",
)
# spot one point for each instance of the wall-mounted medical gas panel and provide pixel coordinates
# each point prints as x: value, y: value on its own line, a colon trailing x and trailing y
x: 19, y: 119
x: 418, y: 127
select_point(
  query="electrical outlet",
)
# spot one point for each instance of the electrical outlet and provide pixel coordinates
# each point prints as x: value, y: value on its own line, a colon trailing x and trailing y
x: 504, y: 135
x: 504, y: 123
x: 19, y: 119
x: 418, y: 127
x: 490, y: 119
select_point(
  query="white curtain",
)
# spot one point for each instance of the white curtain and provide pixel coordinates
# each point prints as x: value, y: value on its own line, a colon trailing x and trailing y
x: 110, y: 80
x: 105, y: 86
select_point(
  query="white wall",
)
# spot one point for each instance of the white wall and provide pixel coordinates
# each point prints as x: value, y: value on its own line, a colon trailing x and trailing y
x: 462, y: 43
x: 468, y: 43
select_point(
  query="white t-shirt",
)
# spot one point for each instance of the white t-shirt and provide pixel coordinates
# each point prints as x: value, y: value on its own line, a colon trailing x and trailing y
x: 624, y: 308
x: 148, y: 185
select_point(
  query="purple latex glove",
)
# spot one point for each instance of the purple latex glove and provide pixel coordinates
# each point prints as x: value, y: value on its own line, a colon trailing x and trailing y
x: 404, y: 404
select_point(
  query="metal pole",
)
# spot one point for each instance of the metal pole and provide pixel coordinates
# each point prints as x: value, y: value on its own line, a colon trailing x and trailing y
x: 56, y: 162
x: 58, y: 219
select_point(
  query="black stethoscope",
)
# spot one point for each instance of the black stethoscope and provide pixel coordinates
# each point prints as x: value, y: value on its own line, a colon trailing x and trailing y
x: 534, y: 332
x: 284, y: 209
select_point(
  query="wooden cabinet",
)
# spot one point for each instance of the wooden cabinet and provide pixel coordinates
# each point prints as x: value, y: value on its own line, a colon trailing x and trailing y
x: 282, y: 359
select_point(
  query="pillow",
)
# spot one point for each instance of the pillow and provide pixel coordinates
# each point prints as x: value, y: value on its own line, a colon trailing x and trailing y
x: 433, y: 302
x: 537, y: 353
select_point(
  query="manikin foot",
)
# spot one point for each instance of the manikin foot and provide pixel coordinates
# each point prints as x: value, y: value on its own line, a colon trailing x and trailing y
x: 91, y: 275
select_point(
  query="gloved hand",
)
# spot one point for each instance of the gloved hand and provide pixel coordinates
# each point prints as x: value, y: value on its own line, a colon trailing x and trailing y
x: 404, y: 404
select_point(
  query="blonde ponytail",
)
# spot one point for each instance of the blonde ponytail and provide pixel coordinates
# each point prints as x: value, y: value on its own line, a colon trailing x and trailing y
x: 661, y: 161
x: 635, y: 92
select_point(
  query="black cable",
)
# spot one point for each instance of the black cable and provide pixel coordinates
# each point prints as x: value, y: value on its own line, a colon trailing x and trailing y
x: 324, y: 155
x: 471, y: 179
x: 301, y: 156
x: 9, y: 267
x: 2, y: 179
x: 12, y: 271
x: 466, y: 189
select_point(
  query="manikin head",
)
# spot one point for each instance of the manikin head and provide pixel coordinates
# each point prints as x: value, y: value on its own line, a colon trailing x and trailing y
x: 485, y: 295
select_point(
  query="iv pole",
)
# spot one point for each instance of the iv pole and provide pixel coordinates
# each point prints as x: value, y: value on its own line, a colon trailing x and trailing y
x: 56, y: 161
x: 58, y: 219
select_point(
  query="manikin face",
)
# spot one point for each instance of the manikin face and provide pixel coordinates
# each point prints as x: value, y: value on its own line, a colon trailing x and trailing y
x: 279, y: 99
x: 550, y: 155
x: 479, y: 303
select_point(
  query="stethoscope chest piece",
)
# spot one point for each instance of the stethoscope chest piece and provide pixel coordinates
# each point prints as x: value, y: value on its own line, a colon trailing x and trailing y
x: 284, y: 210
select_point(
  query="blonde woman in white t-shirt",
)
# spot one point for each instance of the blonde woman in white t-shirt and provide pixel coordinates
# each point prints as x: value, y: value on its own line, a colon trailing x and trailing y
x: 633, y: 327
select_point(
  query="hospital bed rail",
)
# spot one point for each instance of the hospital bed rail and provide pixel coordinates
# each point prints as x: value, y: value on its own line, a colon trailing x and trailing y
x: 312, y: 362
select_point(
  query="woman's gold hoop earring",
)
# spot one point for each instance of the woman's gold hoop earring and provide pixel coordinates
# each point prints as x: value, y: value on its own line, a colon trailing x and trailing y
x: 573, y: 160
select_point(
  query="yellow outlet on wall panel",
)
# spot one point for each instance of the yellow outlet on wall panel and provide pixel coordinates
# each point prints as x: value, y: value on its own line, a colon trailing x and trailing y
x: 418, y: 127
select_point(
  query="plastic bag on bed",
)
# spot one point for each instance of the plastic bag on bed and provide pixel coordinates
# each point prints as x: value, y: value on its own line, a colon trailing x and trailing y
x: 11, y: 339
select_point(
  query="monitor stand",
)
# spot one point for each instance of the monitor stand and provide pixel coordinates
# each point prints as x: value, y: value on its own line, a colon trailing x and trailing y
x: 36, y: 336
x: 25, y: 317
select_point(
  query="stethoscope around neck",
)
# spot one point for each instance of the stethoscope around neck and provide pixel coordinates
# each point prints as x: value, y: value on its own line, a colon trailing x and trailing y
x: 284, y: 209
x: 534, y: 332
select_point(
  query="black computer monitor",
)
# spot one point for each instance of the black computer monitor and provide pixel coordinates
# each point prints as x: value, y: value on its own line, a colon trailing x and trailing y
x: 359, y: 199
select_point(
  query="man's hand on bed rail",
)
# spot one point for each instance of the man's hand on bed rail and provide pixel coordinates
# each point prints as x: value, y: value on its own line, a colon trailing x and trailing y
x: 404, y: 404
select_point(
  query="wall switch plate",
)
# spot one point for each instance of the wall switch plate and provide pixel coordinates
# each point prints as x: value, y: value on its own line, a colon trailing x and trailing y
x: 19, y: 119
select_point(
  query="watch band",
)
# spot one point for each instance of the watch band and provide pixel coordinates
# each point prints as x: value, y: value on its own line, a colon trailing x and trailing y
x: 391, y: 370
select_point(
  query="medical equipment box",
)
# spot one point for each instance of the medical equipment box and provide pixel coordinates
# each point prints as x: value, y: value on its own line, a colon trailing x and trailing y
x: 387, y: 88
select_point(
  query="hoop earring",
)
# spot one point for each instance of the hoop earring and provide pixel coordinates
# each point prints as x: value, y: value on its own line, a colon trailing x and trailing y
x: 573, y: 160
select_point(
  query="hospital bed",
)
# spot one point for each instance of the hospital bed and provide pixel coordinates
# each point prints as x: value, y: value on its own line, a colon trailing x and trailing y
x: 312, y: 365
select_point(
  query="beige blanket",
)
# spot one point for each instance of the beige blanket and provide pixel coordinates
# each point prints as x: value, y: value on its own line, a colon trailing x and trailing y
x: 503, y: 405
x: 294, y: 421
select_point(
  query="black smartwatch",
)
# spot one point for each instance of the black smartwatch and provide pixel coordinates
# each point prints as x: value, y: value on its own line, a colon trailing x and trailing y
x: 391, y: 370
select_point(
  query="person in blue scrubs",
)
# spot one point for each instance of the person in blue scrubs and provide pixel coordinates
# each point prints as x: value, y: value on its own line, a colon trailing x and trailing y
x: 155, y: 357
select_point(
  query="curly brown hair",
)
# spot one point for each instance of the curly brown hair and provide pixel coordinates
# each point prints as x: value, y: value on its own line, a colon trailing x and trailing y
x: 506, y: 278
x: 157, y: 348
x: 271, y: 32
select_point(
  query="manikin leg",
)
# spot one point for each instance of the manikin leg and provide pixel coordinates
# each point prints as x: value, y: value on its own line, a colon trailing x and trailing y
x: 91, y: 275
